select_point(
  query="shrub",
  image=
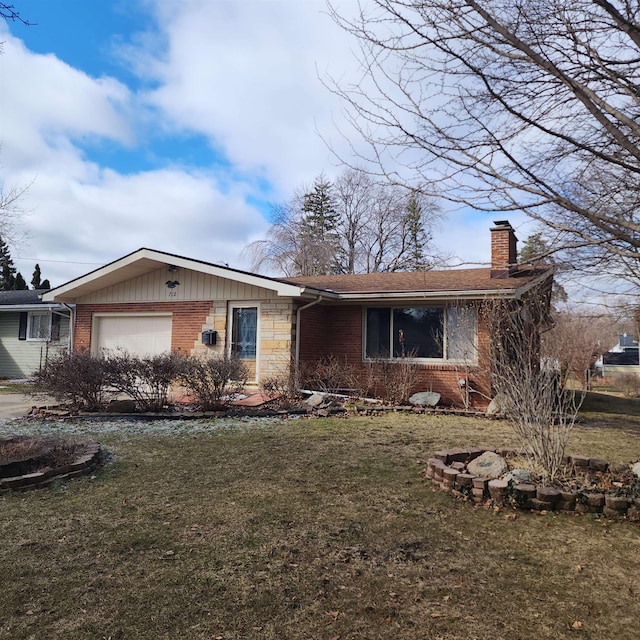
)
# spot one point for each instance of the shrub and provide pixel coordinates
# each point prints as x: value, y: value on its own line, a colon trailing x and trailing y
x: 145, y: 379
x: 392, y: 380
x: 214, y: 381
x: 629, y: 384
x: 331, y: 375
x: 78, y: 378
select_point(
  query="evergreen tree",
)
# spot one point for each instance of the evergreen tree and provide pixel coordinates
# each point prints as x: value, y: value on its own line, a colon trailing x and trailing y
x: 319, y: 208
x: 45, y: 284
x: 537, y: 252
x: 20, y: 284
x: 36, y: 281
x: 7, y: 270
x: 416, y: 236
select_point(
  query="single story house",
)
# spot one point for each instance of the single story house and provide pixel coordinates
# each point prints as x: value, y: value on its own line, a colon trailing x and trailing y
x: 150, y: 301
x: 31, y: 331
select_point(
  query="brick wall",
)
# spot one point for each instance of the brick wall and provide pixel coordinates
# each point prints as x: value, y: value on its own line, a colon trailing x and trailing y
x: 504, y: 252
x: 338, y: 331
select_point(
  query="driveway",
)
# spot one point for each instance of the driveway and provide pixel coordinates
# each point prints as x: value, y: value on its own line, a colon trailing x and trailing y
x: 15, y: 405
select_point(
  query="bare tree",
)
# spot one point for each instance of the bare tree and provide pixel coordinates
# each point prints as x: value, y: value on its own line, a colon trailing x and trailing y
x: 527, y: 105
x: 372, y: 227
x: 575, y: 342
x: 527, y: 382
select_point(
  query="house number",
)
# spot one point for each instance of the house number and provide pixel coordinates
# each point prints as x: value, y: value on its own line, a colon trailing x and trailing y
x: 172, y: 294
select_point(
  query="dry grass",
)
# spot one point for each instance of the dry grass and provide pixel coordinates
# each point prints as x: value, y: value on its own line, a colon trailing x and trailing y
x: 310, y: 529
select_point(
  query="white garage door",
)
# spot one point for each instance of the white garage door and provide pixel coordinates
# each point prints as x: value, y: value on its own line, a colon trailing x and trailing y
x: 138, y: 334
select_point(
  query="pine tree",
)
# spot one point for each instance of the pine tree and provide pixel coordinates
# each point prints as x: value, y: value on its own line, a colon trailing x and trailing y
x: 536, y: 251
x: 36, y: 281
x: 416, y: 235
x: 20, y: 284
x: 7, y: 270
x: 45, y: 284
x: 319, y: 238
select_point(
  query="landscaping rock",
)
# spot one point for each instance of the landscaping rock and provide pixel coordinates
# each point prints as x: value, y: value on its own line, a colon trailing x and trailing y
x: 425, y: 398
x: 121, y: 406
x: 518, y: 475
x: 495, y: 406
x: 315, y: 400
x: 635, y: 469
x: 488, y: 465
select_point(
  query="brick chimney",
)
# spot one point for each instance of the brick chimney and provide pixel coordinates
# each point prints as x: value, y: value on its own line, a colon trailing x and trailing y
x: 504, y: 254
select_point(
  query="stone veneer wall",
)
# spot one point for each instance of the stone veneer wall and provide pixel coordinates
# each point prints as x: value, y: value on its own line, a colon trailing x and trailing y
x: 447, y: 469
x: 275, y: 340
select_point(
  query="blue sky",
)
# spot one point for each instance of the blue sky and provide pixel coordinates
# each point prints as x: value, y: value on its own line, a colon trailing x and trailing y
x: 171, y: 124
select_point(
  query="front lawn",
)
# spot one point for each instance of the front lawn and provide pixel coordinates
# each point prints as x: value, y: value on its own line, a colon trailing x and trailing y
x: 301, y: 529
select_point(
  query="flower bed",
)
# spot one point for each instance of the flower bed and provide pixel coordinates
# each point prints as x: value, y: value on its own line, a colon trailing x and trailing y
x: 589, y: 486
x: 36, y: 463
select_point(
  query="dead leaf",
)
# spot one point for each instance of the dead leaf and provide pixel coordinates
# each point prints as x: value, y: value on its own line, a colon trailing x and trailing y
x: 446, y: 598
x: 435, y: 614
x: 578, y: 567
x: 333, y: 614
x: 577, y: 624
x: 511, y: 516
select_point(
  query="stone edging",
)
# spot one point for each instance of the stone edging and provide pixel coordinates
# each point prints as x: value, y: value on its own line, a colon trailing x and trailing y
x: 83, y: 465
x: 447, y: 469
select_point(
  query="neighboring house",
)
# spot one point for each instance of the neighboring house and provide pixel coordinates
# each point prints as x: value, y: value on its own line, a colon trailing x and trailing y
x: 150, y: 301
x: 30, y: 332
x: 624, y: 357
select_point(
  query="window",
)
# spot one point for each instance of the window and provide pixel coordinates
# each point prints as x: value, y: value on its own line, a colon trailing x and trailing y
x: 39, y: 326
x: 443, y: 333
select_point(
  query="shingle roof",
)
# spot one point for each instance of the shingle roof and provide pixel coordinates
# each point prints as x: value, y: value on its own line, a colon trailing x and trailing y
x: 28, y: 296
x: 419, y: 281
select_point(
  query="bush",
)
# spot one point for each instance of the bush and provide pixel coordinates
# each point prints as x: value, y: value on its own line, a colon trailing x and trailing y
x: 78, y: 378
x: 145, y: 379
x: 392, y: 380
x: 213, y: 381
x: 629, y: 384
x: 331, y: 375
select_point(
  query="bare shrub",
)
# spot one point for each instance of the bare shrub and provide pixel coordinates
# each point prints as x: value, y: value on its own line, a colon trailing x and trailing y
x: 77, y: 378
x: 532, y: 396
x: 144, y: 379
x: 392, y: 380
x: 629, y: 384
x: 331, y: 375
x: 214, y: 381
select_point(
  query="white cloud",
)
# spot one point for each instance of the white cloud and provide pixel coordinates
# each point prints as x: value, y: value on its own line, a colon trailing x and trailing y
x: 245, y: 74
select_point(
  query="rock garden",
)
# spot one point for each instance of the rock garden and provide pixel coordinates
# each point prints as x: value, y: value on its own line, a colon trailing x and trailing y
x: 500, y: 477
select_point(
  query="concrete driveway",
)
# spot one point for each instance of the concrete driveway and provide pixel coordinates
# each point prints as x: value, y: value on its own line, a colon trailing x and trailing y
x: 15, y: 405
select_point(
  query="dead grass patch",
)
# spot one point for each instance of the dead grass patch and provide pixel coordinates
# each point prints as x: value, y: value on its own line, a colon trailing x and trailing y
x: 309, y: 529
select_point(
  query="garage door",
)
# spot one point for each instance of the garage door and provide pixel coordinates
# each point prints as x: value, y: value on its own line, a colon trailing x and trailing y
x: 138, y: 334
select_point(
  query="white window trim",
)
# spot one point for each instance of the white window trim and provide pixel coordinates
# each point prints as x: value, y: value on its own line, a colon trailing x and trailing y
x: 30, y: 316
x: 244, y: 305
x: 473, y: 361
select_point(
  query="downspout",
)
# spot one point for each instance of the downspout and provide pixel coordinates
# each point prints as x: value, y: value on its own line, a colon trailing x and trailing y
x: 298, y: 316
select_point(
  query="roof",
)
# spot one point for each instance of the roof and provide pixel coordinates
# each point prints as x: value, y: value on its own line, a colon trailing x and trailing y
x: 21, y: 298
x: 145, y: 261
x: 470, y: 282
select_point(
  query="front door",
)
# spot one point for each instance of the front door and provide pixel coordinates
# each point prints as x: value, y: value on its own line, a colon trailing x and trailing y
x: 244, y: 337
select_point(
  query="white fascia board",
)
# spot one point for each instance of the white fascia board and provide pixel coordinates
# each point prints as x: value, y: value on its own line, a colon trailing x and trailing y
x: 31, y: 307
x: 65, y: 291
x: 430, y: 295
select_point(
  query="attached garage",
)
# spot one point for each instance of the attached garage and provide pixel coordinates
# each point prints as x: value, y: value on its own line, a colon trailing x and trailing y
x: 139, y: 334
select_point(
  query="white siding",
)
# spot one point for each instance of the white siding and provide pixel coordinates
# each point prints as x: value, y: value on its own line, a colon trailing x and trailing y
x: 22, y: 358
x: 194, y: 285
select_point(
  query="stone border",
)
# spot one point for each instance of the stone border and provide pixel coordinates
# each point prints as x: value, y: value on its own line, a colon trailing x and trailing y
x: 447, y: 469
x: 83, y: 465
